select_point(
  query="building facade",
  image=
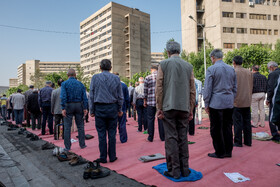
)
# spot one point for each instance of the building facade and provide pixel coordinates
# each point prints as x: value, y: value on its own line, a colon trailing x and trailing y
x: 120, y: 34
x: 231, y: 23
x: 13, y: 83
x: 156, y: 58
x: 26, y: 70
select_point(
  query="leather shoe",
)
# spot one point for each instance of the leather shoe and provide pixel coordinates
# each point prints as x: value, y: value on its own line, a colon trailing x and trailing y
x: 248, y: 144
x: 237, y: 145
x: 101, y: 161
x: 169, y: 175
x: 213, y: 155
x: 114, y: 159
x: 227, y: 155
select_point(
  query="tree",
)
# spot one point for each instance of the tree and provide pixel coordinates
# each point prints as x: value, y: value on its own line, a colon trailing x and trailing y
x: 38, y: 79
x: 276, y: 52
x: 10, y: 91
x: 136, y: 76
x: 252, y: 55
x: 85, y: 79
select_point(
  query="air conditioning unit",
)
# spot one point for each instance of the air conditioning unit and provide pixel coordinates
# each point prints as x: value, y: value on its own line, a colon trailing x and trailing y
x: 251, y: 3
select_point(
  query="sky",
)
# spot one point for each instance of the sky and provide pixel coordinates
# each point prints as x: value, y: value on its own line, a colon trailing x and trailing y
x: 17, y: 45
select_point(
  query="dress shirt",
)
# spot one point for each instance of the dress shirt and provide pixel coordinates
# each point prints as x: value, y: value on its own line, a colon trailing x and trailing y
x: 149, y: 89
x: 220, y: 86
x: 18, y: 101
x: 56, y: 101
x: 73, y: 91
x: 138, y: 93
x: 105, y: 88
x: 45, y: 95
x: 244, y: 87
x: 259, y: 83
x: 125, y: 96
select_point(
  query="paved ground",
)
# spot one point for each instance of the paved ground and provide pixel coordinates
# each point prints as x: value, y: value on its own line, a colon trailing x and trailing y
x: 23, y: 163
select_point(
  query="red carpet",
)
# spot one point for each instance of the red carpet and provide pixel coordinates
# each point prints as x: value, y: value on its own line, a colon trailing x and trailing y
x: 256, y: 162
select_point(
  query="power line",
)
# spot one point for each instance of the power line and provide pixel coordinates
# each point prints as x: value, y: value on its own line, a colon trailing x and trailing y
x: 38, y: 30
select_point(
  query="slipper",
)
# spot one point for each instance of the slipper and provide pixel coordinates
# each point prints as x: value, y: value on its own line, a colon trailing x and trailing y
x: 77, y: 160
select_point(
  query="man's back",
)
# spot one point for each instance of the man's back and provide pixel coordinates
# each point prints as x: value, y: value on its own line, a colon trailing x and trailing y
x: 259, y: 83
x: 244, y: 87
x: 271, y: 83
x: 176, y: 87
x: 55, y: 101
x: 18, y: 101
x: 220, y: 86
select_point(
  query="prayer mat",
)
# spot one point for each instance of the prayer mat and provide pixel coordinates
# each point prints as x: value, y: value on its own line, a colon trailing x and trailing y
x: 194, y: 175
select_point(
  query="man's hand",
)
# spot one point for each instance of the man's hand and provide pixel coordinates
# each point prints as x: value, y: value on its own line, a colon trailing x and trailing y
x: 92, y: 115
x: 145, y: 103
x: 190, y: 116
x: 160, y: 114
x: 120, y: 114
x: 41, y: 109
x: 267, y: 103
x: 85, y: 112
x: 64, y: 113
x: 207, y: 110
x: 134, y: 107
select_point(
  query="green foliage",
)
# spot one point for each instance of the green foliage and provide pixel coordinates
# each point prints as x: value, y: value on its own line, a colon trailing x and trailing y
x: 276, y: 52
x: 197, y: 60
x: 10, y: 91
x: 136, y: 76
x: 252, y: 55
x: 38, y: 79
x: 125, y: 80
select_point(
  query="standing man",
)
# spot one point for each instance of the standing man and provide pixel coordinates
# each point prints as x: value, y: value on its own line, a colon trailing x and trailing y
x: 219, y: 93
x: 106, y: 97
x: 138, y: 102
x: 258, y: 97
x: 175, y: 98
x: 199, y: 102
x: 4, y: 106
x: 34, y: 109
x: 56, y: 107
x: 150, y: 105
x: 27, y: 114
x: 45, y: 95
x: 18, y: 101
x: 271, y: 84
x: 73, y: 103
x: 242, y: 102
x: 130, y: 106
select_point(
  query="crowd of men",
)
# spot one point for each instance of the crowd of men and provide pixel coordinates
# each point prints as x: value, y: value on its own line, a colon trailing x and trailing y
x: 170, y: 94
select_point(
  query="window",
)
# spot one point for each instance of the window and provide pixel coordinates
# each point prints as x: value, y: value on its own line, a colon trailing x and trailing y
x: 227, y: 0
x: 275, y: 17
x: 228, y: 29
x: 258, y: 16
x: 258, y: 31
x: 240, y: 1
x: 240, y: 15
x: 239, y: 45
x: 268, y: 17
x: 259, y: 1
x: 241, y: 30
x: 275, y: 32
x: 269, y: 32
x: 229, y: 45
x: 227, y: 14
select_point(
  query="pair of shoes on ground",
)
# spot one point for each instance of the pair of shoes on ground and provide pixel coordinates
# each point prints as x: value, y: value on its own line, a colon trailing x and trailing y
x: 166, y: 173
x: 22, y: 131
x: 48, y: 145
x: 77, y: 160
x: 213, y: 155
x: 94, y: 171
x: 105, y: 161
x: 65, y: 156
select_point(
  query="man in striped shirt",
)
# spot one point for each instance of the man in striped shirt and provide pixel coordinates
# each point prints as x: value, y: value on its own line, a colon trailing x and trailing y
x: 150, y: 104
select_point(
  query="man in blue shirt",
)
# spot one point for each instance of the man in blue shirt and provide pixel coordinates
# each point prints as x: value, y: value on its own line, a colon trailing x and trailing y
x: 219, y: 93
x: 73, y: 103
x: 45, y: 107
x: 106, y: 100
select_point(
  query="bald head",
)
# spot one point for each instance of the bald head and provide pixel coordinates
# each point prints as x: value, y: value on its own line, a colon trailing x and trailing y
x: 71, y: 73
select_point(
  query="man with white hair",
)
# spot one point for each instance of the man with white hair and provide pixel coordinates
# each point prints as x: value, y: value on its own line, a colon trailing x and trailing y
x: 271, y: 84
x: 138, y: 102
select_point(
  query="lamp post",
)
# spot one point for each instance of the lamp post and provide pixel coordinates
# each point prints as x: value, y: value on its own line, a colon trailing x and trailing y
x: 203, y: 31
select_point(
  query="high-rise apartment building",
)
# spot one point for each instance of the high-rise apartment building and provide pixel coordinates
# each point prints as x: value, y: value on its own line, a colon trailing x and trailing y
x: 237, y: 23
x: 13, y: 82
x: 25, y: 71
x: 120, y: 34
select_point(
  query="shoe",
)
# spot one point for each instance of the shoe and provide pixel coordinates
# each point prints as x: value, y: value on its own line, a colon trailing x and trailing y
x: 101, y: 161
x: 145, y: 132
x: 63, y: 157
x: 275, y: 139
x: 114, y: 159
x: 169, y: 175
x: 227, y: 155
x: 147, y: 140
x: 88, y: 136
x: 34, y: 137
x: 254, y: 126
x: 187, y: 174
x: 237, y: 145
x: 213, y: 155
x: 28, y: 135
x: 77, y: 160
x: 83, y: 147
x: 47, y: 146
x: 248, y: 144
x: 88, y: 170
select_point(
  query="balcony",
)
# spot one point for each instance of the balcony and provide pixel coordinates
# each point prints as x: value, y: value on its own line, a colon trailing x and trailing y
x: 200, y: 8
